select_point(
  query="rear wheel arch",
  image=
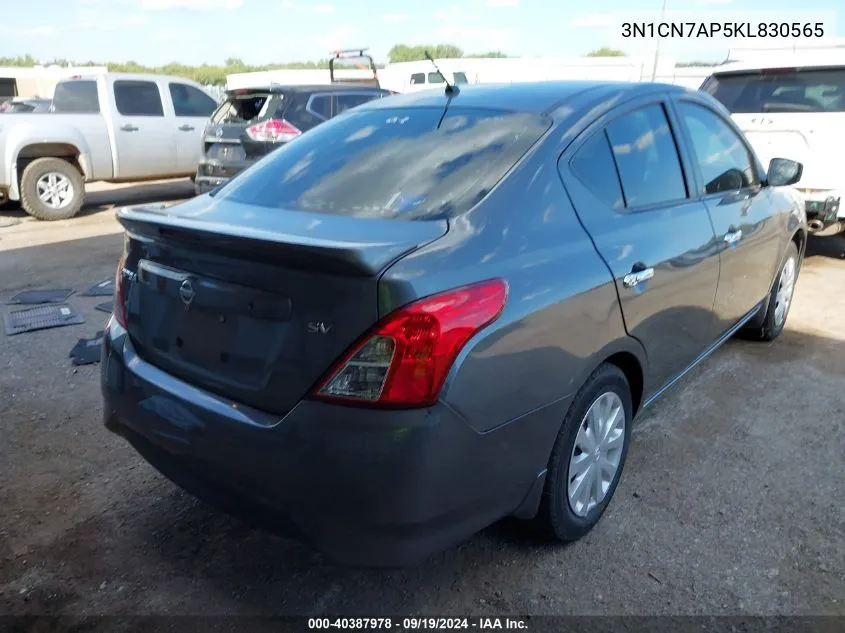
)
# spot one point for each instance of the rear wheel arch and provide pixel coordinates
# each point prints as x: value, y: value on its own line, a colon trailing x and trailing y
x: 33, y: 151
x: 631, y: 366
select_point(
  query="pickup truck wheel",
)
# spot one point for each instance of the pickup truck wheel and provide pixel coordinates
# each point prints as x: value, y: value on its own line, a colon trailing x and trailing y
x: 52, y: 189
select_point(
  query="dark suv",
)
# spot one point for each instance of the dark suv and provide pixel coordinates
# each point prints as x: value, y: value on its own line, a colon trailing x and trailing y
x: 252, y: 122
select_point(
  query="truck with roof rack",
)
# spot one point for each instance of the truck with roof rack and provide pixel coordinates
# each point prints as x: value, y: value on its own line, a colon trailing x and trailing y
x: 111, y: 127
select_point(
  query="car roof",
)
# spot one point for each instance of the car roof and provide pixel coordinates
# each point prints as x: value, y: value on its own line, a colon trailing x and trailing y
x: 338, y: 87
x: 537, y: 97
x: 814, y: 59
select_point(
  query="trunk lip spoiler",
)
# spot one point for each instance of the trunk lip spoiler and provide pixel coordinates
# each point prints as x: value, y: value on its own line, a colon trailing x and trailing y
x: 368, y: 257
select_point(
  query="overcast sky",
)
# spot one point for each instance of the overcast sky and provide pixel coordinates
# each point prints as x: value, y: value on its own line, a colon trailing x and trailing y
x: 259, y: 31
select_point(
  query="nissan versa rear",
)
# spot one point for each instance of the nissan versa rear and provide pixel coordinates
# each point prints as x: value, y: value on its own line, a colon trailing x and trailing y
x: 438, y: 310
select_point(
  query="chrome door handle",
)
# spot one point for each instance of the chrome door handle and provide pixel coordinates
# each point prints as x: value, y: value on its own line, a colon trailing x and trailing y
x: 732, y: 237
x: 634, y: 279
x: 129, y: 128
x: 186, y: 128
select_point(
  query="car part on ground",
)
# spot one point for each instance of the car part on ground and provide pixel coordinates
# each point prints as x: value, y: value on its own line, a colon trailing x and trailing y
x: 438, y: 311
x: 20, y: 320
x: 41, y: 295
x: 86, y: 351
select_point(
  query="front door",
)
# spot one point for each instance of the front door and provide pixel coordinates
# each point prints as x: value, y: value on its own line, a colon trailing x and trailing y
x: 631, y: 194
x: 741, y: 211
x: 192, y: 109
x: 144, y: 137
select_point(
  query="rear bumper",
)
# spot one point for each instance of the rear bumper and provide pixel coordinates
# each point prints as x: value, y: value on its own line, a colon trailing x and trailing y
x: 366, y: 487
x: 213, y: 173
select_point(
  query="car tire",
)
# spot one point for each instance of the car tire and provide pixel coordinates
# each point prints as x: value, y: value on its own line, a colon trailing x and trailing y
x: 67, y: 179
x: 560, y: 517
x: 780, y: 296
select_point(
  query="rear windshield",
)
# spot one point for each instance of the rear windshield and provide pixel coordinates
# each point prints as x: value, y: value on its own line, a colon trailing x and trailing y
x: 392, y: 163
x: 781, y: 90
x: 76, y: 97
x: 247, y: 107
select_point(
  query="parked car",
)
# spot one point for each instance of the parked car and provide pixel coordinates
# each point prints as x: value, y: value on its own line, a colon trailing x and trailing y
x: 25, y: 104
x: 114, y: 127
x: 251, y: 122
x: 794, y: 106
x: 433, y: 311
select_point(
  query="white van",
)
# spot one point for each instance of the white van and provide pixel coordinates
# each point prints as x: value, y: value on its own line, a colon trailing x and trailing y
x: 793, y: 106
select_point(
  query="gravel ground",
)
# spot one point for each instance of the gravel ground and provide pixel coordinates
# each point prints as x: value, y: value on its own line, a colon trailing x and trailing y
x: 731, y: 502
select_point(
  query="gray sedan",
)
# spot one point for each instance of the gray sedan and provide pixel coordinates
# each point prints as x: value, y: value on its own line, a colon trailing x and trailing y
x: 440, y: 309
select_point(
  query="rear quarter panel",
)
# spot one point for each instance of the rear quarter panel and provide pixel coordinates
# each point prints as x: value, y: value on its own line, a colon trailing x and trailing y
x: 86, y: 132
x: 562, y: 315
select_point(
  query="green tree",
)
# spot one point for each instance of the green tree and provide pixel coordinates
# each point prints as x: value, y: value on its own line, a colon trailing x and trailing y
x: 405, y: 53
x: 490, y: 54
x: 604, y: 51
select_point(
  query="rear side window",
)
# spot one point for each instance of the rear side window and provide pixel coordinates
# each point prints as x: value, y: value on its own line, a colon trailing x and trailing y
x: 328, y: 105
x: 647, y: 157
x: 593, y: 165
x: 417, y: 78
x: 76, y: 97
x: 405, y: 163
x: 460, y: 78
x: 190, y: 101
x: 780, y: 90
x: 723, y: 159
x: 138, y: 98
x: 247, y: 107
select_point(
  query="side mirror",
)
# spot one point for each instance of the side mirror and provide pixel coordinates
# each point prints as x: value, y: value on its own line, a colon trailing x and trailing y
x: 784, y: 172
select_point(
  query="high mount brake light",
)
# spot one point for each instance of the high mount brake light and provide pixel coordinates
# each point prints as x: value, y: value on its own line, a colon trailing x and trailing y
x: 404, y: 359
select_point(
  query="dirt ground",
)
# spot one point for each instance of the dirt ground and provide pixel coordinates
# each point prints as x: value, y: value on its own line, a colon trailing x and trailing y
x: 732, y: 502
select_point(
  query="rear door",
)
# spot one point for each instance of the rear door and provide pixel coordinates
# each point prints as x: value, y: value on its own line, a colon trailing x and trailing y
x: 191, y: 108
x: 729, y: 179
x: 145, y: 138
x: 630, y: 191
x: 796, y: 113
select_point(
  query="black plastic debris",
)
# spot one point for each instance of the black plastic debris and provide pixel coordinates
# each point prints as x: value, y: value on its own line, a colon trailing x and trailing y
x: 106, y: 306
x: 103, y: 289
x: 34, y: 297
x: 20, y: 320
x: 87, y: 350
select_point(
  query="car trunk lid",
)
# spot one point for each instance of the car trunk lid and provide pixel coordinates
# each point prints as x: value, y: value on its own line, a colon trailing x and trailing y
x: 250, y: 304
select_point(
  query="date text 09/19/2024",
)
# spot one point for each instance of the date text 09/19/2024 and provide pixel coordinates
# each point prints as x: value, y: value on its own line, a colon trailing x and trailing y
x: 419, y: 624
x: 727, y: 30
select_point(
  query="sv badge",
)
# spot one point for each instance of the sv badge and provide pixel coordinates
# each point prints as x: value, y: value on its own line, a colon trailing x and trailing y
x: 319, y: 327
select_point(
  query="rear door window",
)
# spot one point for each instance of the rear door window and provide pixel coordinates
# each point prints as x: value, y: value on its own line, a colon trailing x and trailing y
x: 593, y: 165
x: 780, y: 90
x: 137, y: 98
x: 384, y: 163
x: 647, y: 158
x: 76, y: 97
x: 189, y: 101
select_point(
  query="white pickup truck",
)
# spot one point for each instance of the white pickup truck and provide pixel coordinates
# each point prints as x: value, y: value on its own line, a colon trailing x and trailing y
x: 113, y: 127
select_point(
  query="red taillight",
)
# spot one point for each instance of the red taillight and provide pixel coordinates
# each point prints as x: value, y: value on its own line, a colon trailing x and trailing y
x: 273, y: 131
x: 404, y: 360
x: 119, y: 300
